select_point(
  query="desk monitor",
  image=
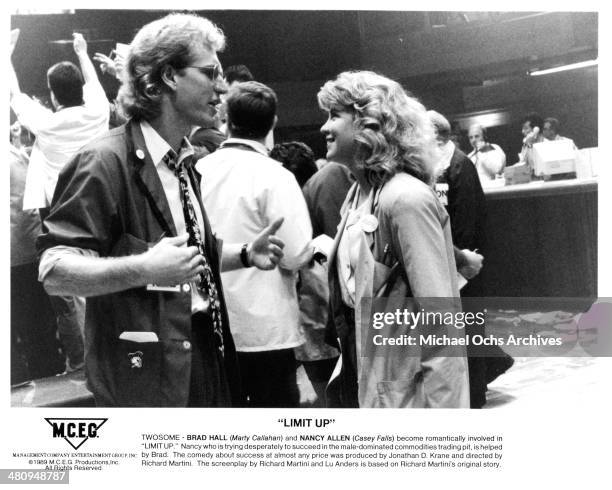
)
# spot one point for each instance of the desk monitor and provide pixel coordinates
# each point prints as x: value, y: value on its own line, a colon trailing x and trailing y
x: 554, y: 157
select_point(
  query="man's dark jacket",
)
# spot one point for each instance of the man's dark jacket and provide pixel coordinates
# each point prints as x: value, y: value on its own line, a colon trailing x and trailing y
x: 466, y: 204
x: 109, y: 199
x: 466, y: 208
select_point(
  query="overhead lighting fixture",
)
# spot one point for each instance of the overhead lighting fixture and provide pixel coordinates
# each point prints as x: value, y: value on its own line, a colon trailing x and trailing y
x: 488, y: 119
x: 572, y: 66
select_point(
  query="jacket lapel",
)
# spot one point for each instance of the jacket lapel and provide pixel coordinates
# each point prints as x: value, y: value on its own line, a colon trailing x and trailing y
x: 147, y: 179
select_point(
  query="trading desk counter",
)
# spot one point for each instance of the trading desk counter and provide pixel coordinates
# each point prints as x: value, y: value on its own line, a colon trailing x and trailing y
x: 541, y: 239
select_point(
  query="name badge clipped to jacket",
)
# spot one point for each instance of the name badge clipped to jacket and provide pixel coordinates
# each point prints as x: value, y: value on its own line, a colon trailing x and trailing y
x: 169, y: 289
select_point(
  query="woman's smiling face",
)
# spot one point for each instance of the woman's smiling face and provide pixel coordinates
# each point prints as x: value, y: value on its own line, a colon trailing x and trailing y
x: 339, y: 131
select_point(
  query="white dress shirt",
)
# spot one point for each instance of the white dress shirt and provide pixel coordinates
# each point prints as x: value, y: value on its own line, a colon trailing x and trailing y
x: 157, y: 148
x: 244, y: 191
x: 59, y: 135
x: 490, y: 163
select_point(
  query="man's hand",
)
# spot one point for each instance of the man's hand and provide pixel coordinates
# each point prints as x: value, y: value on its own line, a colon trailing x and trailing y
x: 79, y: 43
x: 266, y: 250
x: 113, y: 67
x: 170, y: 263
x: 473, y: 264
x: 13, y: 41
x: 532, y: 137
x: 13, y: 83
x: 107, y: 65
x: 119, y: 64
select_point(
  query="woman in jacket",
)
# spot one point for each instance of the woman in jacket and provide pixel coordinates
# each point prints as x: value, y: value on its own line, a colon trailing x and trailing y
x: 393, y: 241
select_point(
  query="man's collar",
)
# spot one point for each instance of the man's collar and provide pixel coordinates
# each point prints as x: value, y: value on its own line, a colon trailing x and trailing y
x: 158, y: 147
x: 258, y: 147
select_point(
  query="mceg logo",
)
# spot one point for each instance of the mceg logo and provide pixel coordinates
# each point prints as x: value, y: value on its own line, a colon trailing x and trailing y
x: 75, y: 431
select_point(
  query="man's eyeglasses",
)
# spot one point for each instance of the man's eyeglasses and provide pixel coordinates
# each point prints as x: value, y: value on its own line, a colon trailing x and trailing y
x: 213, y: 72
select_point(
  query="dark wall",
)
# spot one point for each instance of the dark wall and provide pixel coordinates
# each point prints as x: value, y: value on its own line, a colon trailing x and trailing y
x: 277, y: 46
x: 448, y: 68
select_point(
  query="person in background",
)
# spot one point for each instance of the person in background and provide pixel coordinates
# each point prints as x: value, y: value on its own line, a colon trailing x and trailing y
x: 240, y: 74
x: 488, y: 158
x: 551, y: 131
x: 234, y: 75
x: 15, y: 137
x: 324, y: 192
x: 391, y: 221
x: 237, y: 74
x: 245, y: 191
x: 531, y: 129
x: 461, y: 193
x: 463, y: 196
x: 314, y: 354
x: 206, y: 140
x: 297, y: 157
x: 113, y: 67
x: 465, y: 204
x: 81, y: 115
x: 127, y: 229
x: 35, y: 351
x: 456, y: 135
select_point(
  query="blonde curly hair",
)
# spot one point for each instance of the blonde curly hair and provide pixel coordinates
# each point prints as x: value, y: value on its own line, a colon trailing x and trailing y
x: 394, y: 133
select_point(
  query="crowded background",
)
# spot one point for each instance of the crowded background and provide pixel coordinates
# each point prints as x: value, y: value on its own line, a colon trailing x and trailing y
x: 497, y: 86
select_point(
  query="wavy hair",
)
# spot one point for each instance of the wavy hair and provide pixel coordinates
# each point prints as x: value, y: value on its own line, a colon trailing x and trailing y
x: 394, y: 133
x: 167, y: 41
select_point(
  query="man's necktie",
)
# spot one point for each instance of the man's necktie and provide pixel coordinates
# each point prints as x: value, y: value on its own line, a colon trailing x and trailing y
x: 206, y: 282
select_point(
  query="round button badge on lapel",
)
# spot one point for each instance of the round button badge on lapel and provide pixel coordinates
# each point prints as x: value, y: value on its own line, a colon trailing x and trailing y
x: 368, y: 223
x: 140, y: 154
